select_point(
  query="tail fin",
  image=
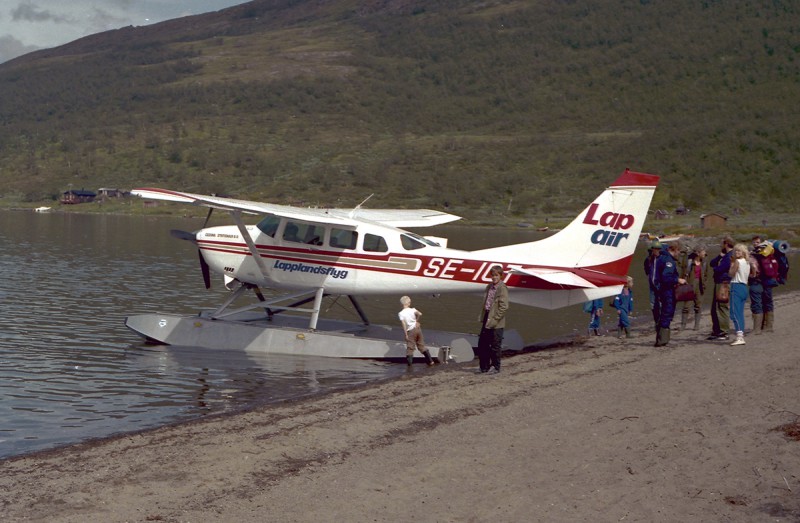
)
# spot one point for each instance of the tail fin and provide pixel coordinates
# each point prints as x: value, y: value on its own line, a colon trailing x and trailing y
x: 602, y: 238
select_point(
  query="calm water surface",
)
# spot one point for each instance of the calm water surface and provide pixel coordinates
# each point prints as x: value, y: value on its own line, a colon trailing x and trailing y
x: 70, y: 370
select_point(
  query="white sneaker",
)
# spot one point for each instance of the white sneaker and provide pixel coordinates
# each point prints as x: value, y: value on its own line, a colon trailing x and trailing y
x: 738, y: 341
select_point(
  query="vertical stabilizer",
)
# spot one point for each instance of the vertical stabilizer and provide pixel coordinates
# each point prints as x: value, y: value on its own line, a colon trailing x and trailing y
x: 603, y: 237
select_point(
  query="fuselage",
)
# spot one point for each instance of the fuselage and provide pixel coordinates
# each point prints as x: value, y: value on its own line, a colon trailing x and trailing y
x: 363, y: 251
x: 362, y: 260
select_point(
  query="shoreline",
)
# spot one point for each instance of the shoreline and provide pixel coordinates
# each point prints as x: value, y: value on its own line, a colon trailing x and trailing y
x: 780, y: 225
x: 603, y: 430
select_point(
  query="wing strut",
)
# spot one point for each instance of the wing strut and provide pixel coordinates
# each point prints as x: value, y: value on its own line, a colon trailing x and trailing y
x: 237, y: 217
x: 358, y: 308
x: 312, y: 325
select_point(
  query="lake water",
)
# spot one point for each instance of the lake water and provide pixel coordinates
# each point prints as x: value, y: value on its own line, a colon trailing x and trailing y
x: 70, y: 370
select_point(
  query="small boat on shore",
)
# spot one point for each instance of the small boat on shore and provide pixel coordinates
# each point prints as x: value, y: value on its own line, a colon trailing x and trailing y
x: 43, y: 209
x: 647, y: 237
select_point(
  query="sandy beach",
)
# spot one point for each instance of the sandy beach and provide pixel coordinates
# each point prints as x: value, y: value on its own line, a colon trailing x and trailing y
x: 601, y: 430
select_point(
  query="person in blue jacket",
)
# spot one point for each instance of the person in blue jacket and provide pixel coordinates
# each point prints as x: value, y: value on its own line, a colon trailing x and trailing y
x: 720, y: 311
x: 595, y: 308
x: 666, y: 277
x: 652, y: 255
x: 623, y: 302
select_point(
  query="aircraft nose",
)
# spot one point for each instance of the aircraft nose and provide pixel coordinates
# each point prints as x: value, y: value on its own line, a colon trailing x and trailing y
x: 184, y: 235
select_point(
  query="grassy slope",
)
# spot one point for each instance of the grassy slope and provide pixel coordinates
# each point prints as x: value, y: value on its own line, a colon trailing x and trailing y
x: 503, y: 109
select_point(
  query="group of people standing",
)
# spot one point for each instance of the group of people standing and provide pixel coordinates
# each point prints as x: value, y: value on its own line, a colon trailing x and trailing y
x: 738, y: 274
x: 673, y: 277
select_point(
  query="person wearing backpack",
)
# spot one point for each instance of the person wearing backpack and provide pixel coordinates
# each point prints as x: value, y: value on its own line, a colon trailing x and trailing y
x: 764, y: 276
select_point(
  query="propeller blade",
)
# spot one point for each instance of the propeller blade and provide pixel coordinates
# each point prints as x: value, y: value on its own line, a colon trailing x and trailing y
x: 205, y: 269
x: 183, y: 235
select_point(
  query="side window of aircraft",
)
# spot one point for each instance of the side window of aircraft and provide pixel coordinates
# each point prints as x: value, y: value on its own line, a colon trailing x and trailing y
x: 374, y: 243
x: 314, y: 235
x: 269, y: 225
x: 343, y: 239
x: 291, y: 233
x: 410, y: 243
x: 304, y: 233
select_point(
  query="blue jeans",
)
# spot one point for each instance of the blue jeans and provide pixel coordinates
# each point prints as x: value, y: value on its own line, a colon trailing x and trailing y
x: 738, y: 297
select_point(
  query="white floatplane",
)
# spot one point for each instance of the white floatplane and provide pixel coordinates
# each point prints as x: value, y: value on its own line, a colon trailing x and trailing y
x: 312, y: 253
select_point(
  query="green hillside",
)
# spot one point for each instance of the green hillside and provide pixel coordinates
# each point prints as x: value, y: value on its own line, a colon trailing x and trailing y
x: 512, y: 107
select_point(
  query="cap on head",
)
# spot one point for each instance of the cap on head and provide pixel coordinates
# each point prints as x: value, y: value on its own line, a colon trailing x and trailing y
x: 656, y: 245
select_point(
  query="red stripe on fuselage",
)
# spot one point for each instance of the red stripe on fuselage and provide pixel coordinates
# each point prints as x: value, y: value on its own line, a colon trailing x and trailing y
x: 436, y: 267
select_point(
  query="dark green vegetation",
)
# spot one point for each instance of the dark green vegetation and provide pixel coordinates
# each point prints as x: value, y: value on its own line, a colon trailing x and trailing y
x: 511, y: 107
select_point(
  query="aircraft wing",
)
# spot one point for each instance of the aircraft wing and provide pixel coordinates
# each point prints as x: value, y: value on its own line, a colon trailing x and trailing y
x: 348, y: 217
x: 404, y: 217
x: 557, y: 277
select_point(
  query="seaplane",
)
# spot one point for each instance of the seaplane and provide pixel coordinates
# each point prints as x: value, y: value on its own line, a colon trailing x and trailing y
x: 310, y: 253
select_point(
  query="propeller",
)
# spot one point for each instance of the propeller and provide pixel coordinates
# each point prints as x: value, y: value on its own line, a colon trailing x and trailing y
x: 184, y: 235
x: 192, y: 237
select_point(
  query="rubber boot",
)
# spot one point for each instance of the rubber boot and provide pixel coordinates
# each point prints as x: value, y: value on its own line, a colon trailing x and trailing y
x: 665, y: 335
x: 768, y: 318
x: 619, y: 332
x: 758, y: 320
x: 428, y: 358
x: 627, y: 332
x: 410, y: 360
x: 697, y: 321
x: 684, y: 319
x: 658, y: 337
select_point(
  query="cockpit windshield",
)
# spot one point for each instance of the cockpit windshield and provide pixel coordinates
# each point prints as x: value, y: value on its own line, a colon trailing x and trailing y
x: 269, y: 225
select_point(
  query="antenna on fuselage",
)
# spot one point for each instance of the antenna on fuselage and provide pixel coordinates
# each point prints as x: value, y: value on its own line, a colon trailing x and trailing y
x: 357, y: 207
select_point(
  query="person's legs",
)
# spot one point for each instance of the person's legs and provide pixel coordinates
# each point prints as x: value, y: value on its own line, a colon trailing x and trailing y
x: 769, y: 309
x: 737, y: 300
x: 756, y: 306
x: 497, y: 347
x: 484, y: 346
x: 715, y: 327
x: 723, y: 315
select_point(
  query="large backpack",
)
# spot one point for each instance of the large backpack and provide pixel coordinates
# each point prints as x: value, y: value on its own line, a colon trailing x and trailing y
x: 770, y: 268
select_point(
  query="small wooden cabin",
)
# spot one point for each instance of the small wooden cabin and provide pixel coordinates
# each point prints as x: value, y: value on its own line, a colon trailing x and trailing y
x: 108, y: 192
x: 74, y: 196
x: 713, y: 221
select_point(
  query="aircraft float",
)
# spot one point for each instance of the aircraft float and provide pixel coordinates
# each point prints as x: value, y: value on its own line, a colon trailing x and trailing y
x: 310, y: 253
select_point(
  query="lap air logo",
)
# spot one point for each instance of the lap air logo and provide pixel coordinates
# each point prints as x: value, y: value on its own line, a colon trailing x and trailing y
x: 617, y: 222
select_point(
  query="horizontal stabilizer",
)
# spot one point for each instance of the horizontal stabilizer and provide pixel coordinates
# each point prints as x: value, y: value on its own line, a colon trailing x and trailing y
x: 557, y: 277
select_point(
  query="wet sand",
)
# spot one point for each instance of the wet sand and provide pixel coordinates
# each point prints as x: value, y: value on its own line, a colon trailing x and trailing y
x: 602, y: 430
